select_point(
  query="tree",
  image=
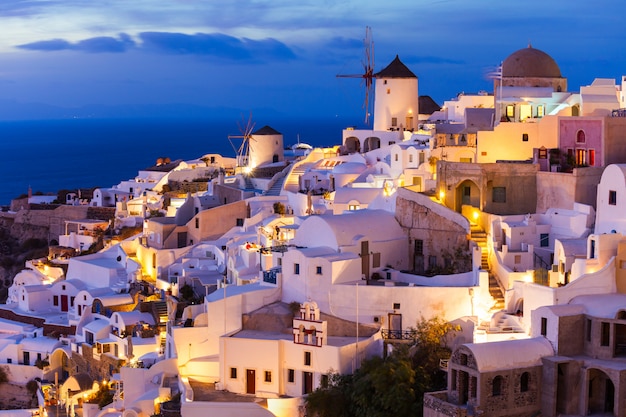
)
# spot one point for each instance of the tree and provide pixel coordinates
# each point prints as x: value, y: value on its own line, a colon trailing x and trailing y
x: 391, y: 386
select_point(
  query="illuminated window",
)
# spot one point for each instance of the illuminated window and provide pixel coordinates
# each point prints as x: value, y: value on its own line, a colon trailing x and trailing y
x: 353, y: 207
x: 510, y: 111
x: 389, y: 91
x: 591, y: 157
x: 540, y: 110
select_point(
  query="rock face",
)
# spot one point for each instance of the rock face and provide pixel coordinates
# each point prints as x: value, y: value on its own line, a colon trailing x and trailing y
x: 16, y: 397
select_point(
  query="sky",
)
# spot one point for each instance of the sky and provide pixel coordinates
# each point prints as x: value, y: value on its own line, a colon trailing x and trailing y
x: 121, y: 57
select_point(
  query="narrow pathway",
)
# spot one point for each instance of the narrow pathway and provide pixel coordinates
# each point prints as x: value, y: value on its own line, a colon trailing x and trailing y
x: 479, y: 236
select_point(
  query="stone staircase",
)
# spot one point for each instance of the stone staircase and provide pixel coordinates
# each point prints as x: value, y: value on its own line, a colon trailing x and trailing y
x: 479, y: 236
x: 277, y: 187
x: 292, y: 182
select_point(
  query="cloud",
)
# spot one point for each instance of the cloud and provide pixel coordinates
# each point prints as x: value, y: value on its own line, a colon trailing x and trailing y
x: 430, y: 59
x: 92, y: 45
x: 216, y: 45
x: 213, y: 44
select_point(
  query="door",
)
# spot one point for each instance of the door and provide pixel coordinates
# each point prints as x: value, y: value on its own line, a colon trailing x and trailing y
x: 250, y: 381
x: 395, y: 326
x: 307, y: 383
x: 64, y: 303
x: 182, y: 239
x: 26, y: 358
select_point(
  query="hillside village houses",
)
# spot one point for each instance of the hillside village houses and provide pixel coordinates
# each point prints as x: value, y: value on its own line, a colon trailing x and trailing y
x: 500, y: 212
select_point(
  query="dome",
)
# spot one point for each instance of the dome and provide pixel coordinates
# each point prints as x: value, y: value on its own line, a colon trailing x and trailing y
x: 530, y: 63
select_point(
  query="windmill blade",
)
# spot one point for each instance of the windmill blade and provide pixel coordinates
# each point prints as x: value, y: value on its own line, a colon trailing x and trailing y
x: 368, y: 71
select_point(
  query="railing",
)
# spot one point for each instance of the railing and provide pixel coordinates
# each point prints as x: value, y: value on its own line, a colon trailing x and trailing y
x: 398, y: 334
x: 270, y: 276
x: 618, y: 113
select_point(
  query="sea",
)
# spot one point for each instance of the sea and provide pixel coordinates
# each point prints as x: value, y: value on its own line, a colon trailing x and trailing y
x: 50, y: 155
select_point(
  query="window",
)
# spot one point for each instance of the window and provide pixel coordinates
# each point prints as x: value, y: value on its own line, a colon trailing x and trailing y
x: 497, y: 386
x: 524, y: 137
x: 72, y: 298
x: 389, y: 91
x: 510, y: 111
x: 376, y: 260
x: 394, y: 120
x: 396, y: 306
x: 318, y: 270
x: 63, y: 287
x: 523, y: 382
x: 588, y: 331
x: 544, y: 240
x: 324, y: 381
x: 239, y: 222
x: 233, y: 373
x: 410, y: 158
x: 580, y: 136
x: 353, y: 207
x: 544, y: 326
x: 606, y: 334
x: 268, y: 376
x: 396, y: 157
x: 307, y: 358
x: 518, y: 259
x: 591, y: 157
x: 612, y: 198
x: 498, y: 195
x: 465, y: 160
x: 419, y: 247
x: 291, y: 375
x: 540, y: 110
x: 197, y: 223
x: 55, y: 300
x: 296, y: 269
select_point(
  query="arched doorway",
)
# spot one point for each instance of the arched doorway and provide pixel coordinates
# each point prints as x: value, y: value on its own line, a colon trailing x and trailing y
x: 371, y: 143
x: 601, y: 393
x: 467, y: 194
x: 353, y: 144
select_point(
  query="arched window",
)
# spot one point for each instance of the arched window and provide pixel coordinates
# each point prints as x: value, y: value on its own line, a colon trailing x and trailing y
x: 580, y: 136
x: 523, y: 382
x: 497, y: 386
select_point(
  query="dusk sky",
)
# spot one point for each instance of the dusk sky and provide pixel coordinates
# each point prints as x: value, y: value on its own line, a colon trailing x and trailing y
x: 282, y: 54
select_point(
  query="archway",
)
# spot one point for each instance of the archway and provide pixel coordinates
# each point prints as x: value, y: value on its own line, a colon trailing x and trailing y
x: 467, y: 194
x: 353, y: 144
x: 601, y: 392
x: 371, y: 143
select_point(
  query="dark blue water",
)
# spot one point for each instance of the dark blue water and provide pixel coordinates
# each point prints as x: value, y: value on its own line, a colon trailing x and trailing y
x: 67, y: 154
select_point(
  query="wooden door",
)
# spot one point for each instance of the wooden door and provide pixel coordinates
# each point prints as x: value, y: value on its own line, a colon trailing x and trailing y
x: 307, y: 382
x: 250, y: 381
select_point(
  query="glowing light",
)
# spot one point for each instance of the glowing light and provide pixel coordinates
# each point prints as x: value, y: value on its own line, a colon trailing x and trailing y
x: 475, y: 215
x: 442, y: 195
x: 247, y: 170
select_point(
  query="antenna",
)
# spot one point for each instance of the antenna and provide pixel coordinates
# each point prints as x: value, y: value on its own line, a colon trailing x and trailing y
x: 368, y: 71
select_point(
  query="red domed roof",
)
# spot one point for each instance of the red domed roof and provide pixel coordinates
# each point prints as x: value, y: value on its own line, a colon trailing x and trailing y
x: 530, y: 62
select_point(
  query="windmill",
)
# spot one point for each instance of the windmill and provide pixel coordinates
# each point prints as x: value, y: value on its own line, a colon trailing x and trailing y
x: 243, y: 150
x: 368, y: 71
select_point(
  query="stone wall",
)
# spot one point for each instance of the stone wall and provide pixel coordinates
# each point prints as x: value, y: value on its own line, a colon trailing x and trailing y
x: 559, y: 189
x: 97, y: 369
